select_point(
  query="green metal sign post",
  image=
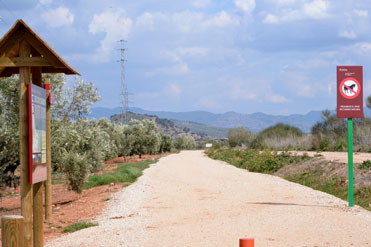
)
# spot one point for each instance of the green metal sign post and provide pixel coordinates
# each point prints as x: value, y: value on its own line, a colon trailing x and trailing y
x: 350, y: 162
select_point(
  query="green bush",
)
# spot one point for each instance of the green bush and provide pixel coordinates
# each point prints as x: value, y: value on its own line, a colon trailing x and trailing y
x: 167, y: 143
x: 74, y: 166
x: 282, y: 137
x: 366, y: 165
x: 185, y: 142
x: 78, y: 226
x: 127, y: 172
x: 240, y: 136
x: 254, y: 160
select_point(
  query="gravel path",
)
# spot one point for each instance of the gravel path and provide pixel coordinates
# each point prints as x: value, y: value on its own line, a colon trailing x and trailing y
x: 337, y: 156
x: 188, y: 199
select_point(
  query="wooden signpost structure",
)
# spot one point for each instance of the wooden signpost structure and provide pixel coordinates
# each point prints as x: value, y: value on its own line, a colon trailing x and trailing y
x: 23, y: 52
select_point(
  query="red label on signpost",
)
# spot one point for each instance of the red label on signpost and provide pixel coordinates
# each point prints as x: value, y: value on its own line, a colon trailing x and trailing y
x: 349, y: 91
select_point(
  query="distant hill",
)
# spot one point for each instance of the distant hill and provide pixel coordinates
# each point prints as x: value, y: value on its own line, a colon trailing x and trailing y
x: 255, y: 122
x: 175, y: 127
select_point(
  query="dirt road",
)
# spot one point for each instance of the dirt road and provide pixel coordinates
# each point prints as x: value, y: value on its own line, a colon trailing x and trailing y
x: 188, y: 199
x: 337, y: 156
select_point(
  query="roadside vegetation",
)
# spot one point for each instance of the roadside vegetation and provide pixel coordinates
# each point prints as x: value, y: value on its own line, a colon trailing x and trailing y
x: 124, y: 173
x: 337, y: 186
x: 329, y: 134
x: 314, y: 175
x: 78, y: 226
x: 79, y: 145
x: 255, y: 160
x: 257, y: 152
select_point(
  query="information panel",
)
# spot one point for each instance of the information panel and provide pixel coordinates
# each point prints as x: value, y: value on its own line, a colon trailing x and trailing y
x: 349, y: 91
x: 37, y: 131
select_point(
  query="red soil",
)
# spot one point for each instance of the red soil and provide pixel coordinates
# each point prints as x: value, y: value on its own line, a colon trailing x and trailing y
x: 68, y: 206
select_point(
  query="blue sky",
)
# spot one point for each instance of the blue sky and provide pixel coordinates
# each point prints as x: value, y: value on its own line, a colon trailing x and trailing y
x: 271, y: 56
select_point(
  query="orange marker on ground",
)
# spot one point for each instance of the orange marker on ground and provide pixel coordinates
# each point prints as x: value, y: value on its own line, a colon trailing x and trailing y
x: 246, y: 242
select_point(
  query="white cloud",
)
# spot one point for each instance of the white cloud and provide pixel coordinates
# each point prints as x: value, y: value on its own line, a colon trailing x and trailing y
x: 276, y: 98
x: 246, y: 5
x: 317, y: 9
x: 115, y: 25
x: 146, y: 20
x: 58, y: 17
x: 348, y: 34
x: 271, y: 19
x: 175, y: 89
x: 222, y: 19
x: 45, y: 2
x: 192, y: 51
x: 285, y: 2
x: 241, y: 91
x: 186, y: 21
x: 362, y: 48
x: 209, y: 102
x: 201, y: 3
x: 361, y: 13
x: 315, y: 63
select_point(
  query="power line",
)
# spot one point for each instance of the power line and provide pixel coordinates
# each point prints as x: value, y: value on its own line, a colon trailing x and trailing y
x: 124, y: 90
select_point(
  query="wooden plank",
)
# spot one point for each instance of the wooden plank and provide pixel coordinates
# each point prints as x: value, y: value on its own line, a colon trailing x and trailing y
x: 24, y: 61
x: 38, y: 214
x: 12, y: 230
x: 7, y: 72
x: 36, y: 76
x: 11, y: 42
x: 57, y: 70
x: 26, y: 188
x: 44, y: 51
x: 48, y: 182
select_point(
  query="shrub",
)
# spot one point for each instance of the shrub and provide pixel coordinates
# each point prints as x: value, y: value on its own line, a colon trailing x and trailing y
x: 78, y: 226
x: 74, y: 166
x: 143, y: 137
x: 127, y: 172
x: 185, y: 142
x: 239, y: 136
x: 366, y: 165
x: 282, y: 137
x: 167, y: 143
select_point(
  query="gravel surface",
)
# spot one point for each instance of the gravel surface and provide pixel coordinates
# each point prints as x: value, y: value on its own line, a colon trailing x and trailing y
x: 337, y: 156
x: 188, y: 199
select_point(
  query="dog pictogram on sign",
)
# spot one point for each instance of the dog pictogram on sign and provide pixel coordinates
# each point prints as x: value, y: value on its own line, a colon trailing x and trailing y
x: 350, y: 88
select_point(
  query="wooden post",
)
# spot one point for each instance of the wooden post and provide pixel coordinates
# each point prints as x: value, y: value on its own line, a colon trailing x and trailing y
x: 12, y: 231
x: 48, y: 182
x: 38, y: 211
x: 26, y: 188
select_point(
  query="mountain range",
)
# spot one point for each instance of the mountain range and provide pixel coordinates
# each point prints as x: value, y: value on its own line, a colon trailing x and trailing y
x: 254, y: 122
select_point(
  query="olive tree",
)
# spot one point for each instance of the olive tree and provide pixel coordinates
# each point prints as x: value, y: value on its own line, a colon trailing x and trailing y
x: 143, y: 137
x: 185, y: 142
x: 78, y: 145
x: 9, y: 130
x: 167, y: 143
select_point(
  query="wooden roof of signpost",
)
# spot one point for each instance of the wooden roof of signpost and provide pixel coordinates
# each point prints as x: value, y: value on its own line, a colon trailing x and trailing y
x: 42, y: 55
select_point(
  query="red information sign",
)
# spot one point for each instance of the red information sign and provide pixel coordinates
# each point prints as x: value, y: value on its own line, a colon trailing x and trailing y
x: 349, y: 91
